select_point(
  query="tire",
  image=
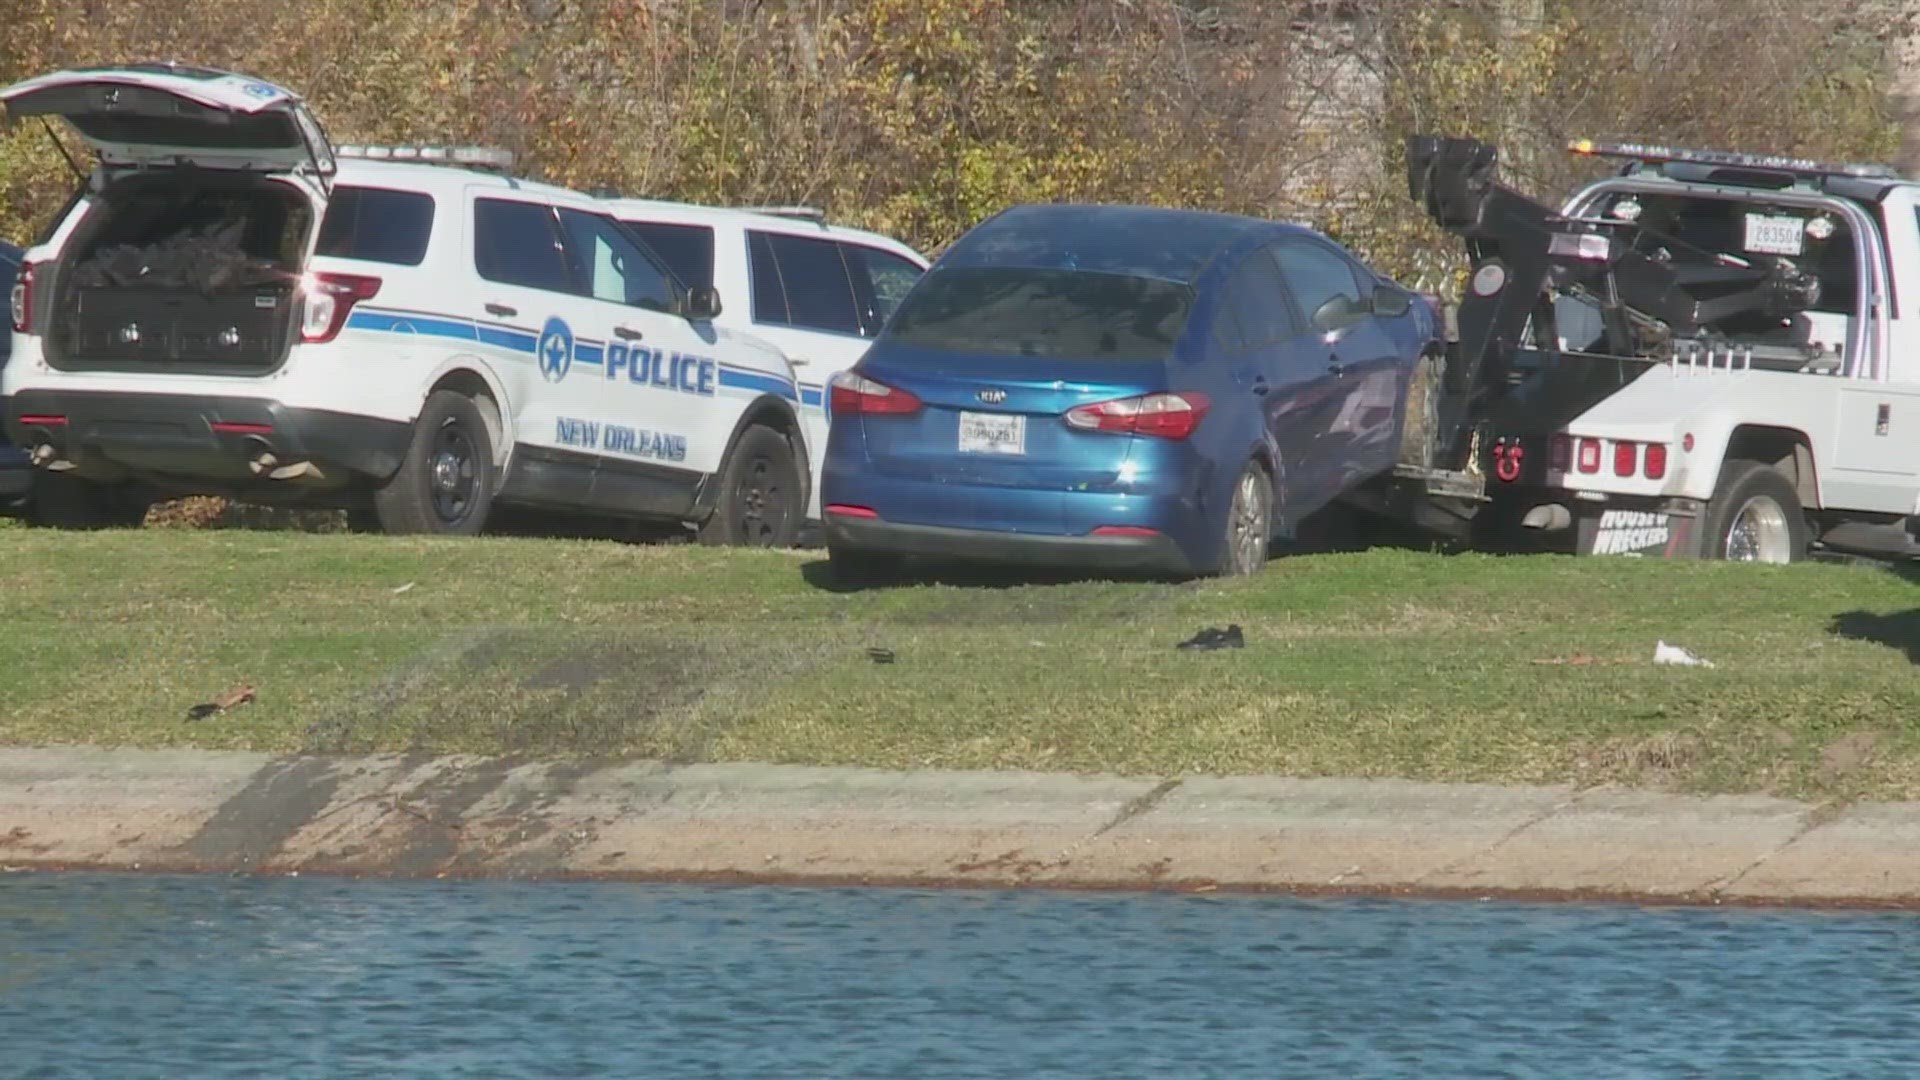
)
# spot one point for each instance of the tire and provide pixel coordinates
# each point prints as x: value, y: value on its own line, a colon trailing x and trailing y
x: 1246, y: 534
x: 1754, y: 516
x: 57, y: 501
x: 762, y: 496
x: 444, y: 485
x: 1420, y: 428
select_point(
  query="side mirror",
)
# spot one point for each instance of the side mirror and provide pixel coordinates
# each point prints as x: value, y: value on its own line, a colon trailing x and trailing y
x: 1337, y: 314
x: 703, y: 303
x: 1391, y: 302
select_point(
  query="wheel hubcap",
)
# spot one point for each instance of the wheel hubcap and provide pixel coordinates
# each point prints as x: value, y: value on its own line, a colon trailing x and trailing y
x: 454, y: 475
x: 1760, y: 533
x: 1248, y: 525
x: 762, y: 502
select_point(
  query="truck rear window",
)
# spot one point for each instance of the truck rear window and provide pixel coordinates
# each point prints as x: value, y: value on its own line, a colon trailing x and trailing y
x: 1048, y: 313
x: 377, y: 225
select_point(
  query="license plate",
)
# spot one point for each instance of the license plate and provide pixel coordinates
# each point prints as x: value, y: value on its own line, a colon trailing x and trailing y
x: 993, y: 433
x: 1770, y: 235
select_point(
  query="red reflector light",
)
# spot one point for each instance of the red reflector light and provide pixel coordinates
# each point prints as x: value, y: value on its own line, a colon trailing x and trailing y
x: 1166, y: 416
x: 851, y: 395
x: 851, y: 511
x: 227, y: 428
x: 32, y: 420
x: 1624, y: 456
x: 1124, y: 530
x: 1656, y: 460
x: 1589, y: 455
x: 1560, y: 453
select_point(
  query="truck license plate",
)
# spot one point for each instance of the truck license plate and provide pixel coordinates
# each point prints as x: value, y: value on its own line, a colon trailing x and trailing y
x: 1771, y: 235
x: 993, y: 433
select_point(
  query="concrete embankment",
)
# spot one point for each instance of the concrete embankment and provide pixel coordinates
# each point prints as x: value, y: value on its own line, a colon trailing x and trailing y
x: 466, y: 816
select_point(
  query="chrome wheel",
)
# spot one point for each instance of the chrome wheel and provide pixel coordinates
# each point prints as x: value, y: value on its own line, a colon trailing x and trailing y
x: 1759, y: 533
x: 1247, y: 527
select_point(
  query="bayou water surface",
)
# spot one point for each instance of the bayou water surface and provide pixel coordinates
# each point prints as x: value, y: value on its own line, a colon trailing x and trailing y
x: 138, y: 976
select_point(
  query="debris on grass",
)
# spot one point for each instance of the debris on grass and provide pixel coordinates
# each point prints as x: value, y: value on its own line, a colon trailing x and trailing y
x: 1215, y: 638
x: 1664, y: 653
x: 238, y: 696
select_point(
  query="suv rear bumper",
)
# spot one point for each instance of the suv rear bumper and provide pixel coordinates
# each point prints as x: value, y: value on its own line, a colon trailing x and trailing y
x: 199, y: 434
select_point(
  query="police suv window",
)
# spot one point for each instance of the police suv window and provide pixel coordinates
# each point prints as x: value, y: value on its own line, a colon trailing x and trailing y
x: 515, y: 243
x: 687, y: 249
x: 1316, y: 274
x: 769, y: 295
x: 819, y: 293
x: 376, y: 225
x: 880, y: 280
x: 612, y: 267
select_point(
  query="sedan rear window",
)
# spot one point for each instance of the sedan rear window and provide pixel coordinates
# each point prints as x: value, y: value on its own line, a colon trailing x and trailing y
x: 1054, y: 314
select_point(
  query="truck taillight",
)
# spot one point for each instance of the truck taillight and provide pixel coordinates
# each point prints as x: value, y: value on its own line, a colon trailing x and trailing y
x: 1560, y: 453
x: 328, y: 300
x: 1655, y: 463
x: 1625, y: 457
x: 1589, y: 455
x: 1168, y: 416
x: 849, y: 394
x: 23, y: 299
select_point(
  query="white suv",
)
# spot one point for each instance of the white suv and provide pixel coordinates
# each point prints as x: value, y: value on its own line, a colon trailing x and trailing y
x: 234, y: 306
x: 819, y: 293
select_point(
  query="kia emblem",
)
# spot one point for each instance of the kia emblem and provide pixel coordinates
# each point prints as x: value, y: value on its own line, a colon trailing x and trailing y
x: 993, y: 396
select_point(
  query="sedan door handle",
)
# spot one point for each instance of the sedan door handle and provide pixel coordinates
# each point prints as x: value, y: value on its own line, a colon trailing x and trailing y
x: 501, y: 310
x: 798, y: 361
x: 626, y: 333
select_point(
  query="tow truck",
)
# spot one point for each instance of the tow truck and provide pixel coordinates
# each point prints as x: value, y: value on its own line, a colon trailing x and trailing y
x: 1704, y: 354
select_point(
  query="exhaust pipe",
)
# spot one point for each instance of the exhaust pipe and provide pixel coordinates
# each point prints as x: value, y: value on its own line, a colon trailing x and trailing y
x: 44, y: 456
x: 1551, y: 517
x: 266, y: 463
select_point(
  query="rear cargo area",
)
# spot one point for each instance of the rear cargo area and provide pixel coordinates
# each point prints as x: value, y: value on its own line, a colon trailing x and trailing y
x: 183, y: 271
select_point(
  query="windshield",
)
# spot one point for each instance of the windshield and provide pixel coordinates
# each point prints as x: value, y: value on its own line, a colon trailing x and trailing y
x: 1054, y: 314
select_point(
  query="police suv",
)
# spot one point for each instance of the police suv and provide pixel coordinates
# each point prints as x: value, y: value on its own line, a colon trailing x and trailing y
x: 231, y: 305
x: 820, y: 293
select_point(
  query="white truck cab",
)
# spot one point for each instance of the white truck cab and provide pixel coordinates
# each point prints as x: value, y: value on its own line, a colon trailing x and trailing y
x: 818, y: 292
x: 1706, y: 354
x: 234, y: 306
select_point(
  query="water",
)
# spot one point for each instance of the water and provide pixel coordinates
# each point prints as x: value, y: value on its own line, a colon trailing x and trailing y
x: 133, y: 976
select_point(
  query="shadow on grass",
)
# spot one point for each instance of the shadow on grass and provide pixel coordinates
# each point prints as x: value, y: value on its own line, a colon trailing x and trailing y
x: 1900, y: 630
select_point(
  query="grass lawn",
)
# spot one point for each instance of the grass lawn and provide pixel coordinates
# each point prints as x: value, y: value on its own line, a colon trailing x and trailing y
x: 1384, y: 663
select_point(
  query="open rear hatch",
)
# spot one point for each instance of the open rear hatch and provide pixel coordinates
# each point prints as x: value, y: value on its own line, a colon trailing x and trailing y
x: 168, y: 114
x: 190, y: 256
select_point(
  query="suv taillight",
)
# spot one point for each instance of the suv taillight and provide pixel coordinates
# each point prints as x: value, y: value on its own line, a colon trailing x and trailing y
x: 23, y: 298
x: 1168, y: 416
x: 329, y: 300
x: 849, y: 394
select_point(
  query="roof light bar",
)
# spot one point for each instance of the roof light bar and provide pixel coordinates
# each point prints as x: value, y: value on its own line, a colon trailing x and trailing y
x: 1650, y: 152
x: 810, y: 213
x: 479, y: 157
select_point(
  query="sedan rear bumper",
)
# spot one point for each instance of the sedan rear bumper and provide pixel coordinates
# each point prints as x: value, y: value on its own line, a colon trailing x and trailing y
x: 1156, y: 551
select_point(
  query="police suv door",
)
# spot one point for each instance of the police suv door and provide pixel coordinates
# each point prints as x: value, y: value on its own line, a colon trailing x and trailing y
x: 822, y: 301
x: 530, y: 314
x: 651, y: 383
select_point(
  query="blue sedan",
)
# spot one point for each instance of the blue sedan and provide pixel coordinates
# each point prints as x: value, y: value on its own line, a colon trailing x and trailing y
x: 1119, y: 387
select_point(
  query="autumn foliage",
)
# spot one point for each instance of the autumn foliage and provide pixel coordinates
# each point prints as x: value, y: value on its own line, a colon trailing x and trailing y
x: 920, y: 117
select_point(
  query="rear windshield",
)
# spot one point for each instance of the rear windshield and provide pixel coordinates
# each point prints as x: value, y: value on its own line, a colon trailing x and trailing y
x: 1054, y: 314
x: 376, y: 225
